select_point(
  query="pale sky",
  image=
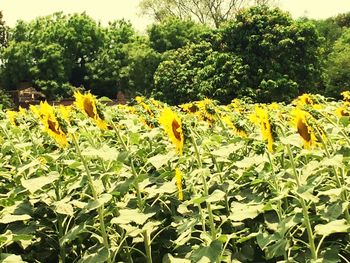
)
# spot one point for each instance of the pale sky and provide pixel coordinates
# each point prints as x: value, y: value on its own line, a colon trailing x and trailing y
x: 109, y: 10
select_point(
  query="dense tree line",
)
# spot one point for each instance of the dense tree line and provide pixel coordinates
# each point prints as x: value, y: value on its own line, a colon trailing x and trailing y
x: 261, y: 53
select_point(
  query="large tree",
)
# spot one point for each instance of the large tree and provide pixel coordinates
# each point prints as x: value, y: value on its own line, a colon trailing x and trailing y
x: 210, y: 12
x: 51, y: 52
x: 283, y: 55
x: 3, y: 32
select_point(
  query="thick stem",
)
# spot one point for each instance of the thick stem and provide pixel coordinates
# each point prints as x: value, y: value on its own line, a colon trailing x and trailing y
x: 307, y: 222
x: 100, y: 210
x: 205, y: 188
x: 148, y: 248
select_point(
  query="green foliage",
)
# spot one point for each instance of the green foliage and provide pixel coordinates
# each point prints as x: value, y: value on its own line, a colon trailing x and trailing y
x: 173, y: 33
x: 124, y: 63
x: 338, y: 66
x: 282, y: 54
x: 51, y: 49
x: 3, y: 32
x: 5, y: 100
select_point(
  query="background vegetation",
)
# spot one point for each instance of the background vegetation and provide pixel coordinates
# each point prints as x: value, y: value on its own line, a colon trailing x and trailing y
x: 258, y: 52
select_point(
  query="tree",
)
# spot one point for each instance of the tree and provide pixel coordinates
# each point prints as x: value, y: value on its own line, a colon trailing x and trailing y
x: 173, y: 33
x: 197, y: 71
x: 210, y: 12
x: 3, y: 32
x: 338, y: 66
x: 125, y: 63
x: 283, y: 55
x: 51, y: 52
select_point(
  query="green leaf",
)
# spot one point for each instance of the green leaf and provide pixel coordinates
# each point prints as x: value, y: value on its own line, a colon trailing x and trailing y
x: 336, y: 226
x: 126, y: 216
x: 34, y: 184
x: 100, y: 256
x: 168, y: 258
x: 7, y: 218
x: 241, y: 211
x: 72, y: 234
x: 94, y: 204
x: 216, y: 196
x: 209, y: 253
x: 10, y: 258
x: 64, y: 208
x: 160, y: 159
x: 106, y: 153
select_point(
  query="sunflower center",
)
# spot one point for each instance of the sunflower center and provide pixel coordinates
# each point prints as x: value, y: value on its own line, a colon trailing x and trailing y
x: 303, y: 131
x: 344, y: 113
x: 88, y: 107
x: 175, y: 125
x: 52, y: 126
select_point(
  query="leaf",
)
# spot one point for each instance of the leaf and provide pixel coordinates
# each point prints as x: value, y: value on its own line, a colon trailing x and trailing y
x: 100, y: 256
x: 336, y: 226
x: 34, y: 184
x: 94, y: 204
x: 72, y: 234
x: 241, y: 211
x: 216, y: 196
x: 64, y: 208
x: 7, y: 218
x: 293, y: 139
x: 127, y: 216
x: 211, y: 252
x: 10, y: 258
x: 160, y: 159
x: 106, y: 153
x: 168, y: 258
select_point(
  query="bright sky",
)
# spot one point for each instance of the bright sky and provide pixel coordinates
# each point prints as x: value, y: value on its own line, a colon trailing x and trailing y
x: 108, y: 10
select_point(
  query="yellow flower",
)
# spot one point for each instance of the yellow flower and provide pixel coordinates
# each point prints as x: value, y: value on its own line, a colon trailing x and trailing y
x: 305, y: 99
x: 342, y: 112
x: 87, y: 104
x: 51, y: 125
x: 12, y: 117
x: 303, y: 127
x: 346, y: 95
x: 261, y: 118
x: 240, y: 132
x: 65, y: 112
x: 178, y: 177
x: 173, y: 127
x: 189, y: 107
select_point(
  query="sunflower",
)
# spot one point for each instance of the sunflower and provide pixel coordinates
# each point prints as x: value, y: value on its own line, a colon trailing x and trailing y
x: 51, y: 125
x: 237, y: 130
x: 87, y: 104
x: 306, y: 132
x: 342, y: 112
x: 173, y: 127
x: 261, y: 118
x: 189, y: 107
x: 305, y: 99
x: 12, y: 116
x: 178, y: 177
x: 346, y: 95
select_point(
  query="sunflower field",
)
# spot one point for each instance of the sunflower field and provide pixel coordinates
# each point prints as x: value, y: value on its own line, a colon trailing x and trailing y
x: 200, y: 182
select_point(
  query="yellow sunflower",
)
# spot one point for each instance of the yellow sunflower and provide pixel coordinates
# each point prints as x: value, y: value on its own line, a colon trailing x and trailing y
x: 261, y: 118
x: 173, y: 127
x: 305, y: 99
x: 346, y: 95
x: 306, y: 132
x: 12, y: 116
x: 342, y: 112
x: 51, y: 125
x: 87, y: 104
x: 240, y: 132
x: 178, y: 177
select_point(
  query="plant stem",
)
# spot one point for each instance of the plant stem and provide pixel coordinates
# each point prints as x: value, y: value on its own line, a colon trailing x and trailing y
x: 148, y: 248
x: 205, y: 188
x: 100, y: 210
x: 302, y: 202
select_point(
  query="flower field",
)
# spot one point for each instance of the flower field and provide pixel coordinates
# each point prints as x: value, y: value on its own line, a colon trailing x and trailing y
x: 195, y: 183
